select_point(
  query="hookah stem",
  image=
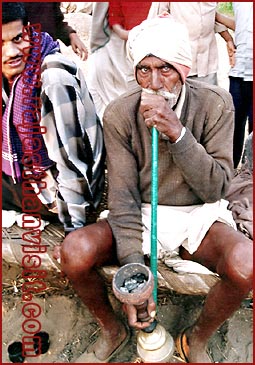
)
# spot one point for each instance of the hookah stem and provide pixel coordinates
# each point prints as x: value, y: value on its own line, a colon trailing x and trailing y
x: 154, y: 203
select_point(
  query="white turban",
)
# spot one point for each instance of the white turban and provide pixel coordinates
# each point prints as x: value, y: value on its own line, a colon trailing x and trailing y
x: 162, y: 37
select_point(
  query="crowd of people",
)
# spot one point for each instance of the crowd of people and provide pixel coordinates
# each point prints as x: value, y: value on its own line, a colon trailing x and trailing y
x: 62, y: 132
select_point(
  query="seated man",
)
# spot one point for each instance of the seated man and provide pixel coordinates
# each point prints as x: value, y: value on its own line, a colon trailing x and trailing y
x: 52, y: 138
x: 195, y: 167
x: 52, y: 20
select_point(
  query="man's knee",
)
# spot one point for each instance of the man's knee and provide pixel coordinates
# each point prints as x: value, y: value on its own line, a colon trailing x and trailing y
x: 238, y: 264
x: 77, y: 252
x: 85, y: 248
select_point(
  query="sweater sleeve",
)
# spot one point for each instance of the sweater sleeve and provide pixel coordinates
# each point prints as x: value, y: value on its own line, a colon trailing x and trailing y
x: 124, y: 199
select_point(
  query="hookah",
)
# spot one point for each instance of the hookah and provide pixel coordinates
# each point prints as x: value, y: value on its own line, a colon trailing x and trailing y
x: 154, y: 343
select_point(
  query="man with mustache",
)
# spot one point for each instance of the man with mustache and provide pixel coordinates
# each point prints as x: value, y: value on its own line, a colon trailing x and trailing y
x: 52, y: 147
x: 195, y: 168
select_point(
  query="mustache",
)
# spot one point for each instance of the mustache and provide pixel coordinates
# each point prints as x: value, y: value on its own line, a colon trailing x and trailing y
x: 14, y: 58
x: 171, y: 97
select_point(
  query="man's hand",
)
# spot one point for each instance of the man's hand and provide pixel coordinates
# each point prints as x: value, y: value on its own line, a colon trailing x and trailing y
x: 133, y: 320
x: 231, y: 52
x: 158, y: 113
x: 78, y: 46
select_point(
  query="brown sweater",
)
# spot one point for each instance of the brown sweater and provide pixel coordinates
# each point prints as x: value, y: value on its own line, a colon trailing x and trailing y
x: 195, y: 170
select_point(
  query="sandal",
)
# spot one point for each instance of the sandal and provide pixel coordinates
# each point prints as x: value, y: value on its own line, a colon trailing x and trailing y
x: 182, y: 345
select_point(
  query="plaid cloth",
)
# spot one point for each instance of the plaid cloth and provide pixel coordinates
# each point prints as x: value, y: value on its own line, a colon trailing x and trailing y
x: 73, y: 142
x: 74, y: 138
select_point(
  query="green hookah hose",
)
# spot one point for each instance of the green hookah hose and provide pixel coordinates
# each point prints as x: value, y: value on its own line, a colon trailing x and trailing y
x: 154, y: 204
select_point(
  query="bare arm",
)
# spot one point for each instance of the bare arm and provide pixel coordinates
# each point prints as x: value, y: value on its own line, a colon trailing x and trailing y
x: 229, y: 23
x: 225, y: 20
x: 230, y: 46
x: 78, y: 46
x: 120, y: 31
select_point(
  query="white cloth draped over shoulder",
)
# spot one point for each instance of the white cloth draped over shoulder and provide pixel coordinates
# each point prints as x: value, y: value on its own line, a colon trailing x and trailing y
x: 110, y: 73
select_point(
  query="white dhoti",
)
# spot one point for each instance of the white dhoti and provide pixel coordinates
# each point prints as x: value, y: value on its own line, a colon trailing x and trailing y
x: 183, y: 226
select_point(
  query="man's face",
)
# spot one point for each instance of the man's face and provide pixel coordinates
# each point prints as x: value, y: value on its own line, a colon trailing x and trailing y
x: 157, y: 75
x: 13, y: 44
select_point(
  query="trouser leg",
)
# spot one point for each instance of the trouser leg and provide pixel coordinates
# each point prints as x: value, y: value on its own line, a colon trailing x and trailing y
x: 241, y: 92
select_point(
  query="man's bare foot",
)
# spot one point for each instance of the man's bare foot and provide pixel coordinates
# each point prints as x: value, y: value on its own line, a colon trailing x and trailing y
x: 198, y: 356
x: 197, y: 350
x: 109, y: 341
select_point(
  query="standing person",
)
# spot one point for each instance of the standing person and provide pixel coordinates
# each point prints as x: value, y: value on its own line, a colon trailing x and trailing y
x: 199, y: 18
x: 51, y: 18
x: 195, y: 171
x: 110, y: 72
x: 241, y: 74
x: 52, y: 138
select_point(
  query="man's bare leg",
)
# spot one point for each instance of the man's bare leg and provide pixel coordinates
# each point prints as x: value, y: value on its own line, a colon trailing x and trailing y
x: 82, y: 251
x: 230, y: 254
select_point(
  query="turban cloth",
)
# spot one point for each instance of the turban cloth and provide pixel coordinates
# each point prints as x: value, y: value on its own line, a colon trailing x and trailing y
x: 164, y: 38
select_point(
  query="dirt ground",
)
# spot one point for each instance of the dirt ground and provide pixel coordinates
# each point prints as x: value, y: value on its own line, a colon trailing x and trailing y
x: 71, y: 327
